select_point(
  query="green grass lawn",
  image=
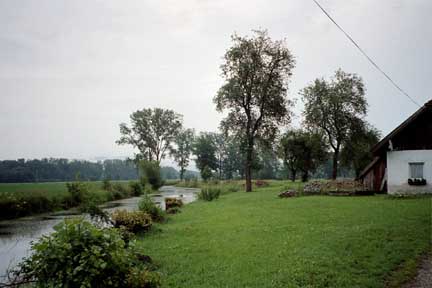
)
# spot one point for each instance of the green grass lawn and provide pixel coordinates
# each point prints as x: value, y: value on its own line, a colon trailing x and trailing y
x: 258, y: 240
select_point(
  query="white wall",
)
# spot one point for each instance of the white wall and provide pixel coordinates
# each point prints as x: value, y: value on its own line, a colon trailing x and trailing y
x: 398, y: 171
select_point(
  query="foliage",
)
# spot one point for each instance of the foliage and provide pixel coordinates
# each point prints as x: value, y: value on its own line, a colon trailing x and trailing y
x: 152, y: 132
x: 140, y: 278
x: 357, y: 151
x: 171, y: 202
x: 257, y: 240
x: 147, y: 205
x: 151, y: 174
x: 256, y: 72
x: 54, y: 170
x: 332, y: 108
x: 184, y: 146
x: 135, y: 221
x: 78, y: 192
x: 97, y: 214
x: 22, y: 199
x: 302, y: 151
x: 106, y: 184
x: 204, y: 150
x: 209, y: 193
x: 119, y: 191
x: 135, y: 188
x: 79, y: 254
x: 173, y: 210
x: 206, y: 173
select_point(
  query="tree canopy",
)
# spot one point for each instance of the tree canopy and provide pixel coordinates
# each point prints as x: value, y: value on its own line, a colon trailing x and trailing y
x: 333, y: 108
x: 183, y: 148
x: 152, y: 132
x: 256, y: 72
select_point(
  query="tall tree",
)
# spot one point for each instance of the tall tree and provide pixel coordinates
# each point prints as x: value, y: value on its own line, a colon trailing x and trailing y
x: 332, y: 107
x: 356, y: 154
x: 256, y: 72
x: 205, y: 152
x: 152, y: 132
x: 182, y: 152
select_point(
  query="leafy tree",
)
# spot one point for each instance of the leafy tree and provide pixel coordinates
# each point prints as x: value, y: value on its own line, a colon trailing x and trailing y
x: 151, y: 174
x: 266, y: 164
x: 182, y: 152
x: 290, y: 150
x: 332, y: 107
x: 233, y: 160
x: 302, y: 151
x: 206, y: 173
x: 205, y: 152
x: 357, y: 153
x: 152, y: 132
x: 256, y: 73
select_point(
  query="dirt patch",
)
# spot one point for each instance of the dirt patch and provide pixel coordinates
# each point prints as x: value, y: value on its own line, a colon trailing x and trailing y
x: 423, y: 278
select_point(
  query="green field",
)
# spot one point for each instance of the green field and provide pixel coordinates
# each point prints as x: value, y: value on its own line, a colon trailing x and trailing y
x: 22, y: 199
x: 258, y: 240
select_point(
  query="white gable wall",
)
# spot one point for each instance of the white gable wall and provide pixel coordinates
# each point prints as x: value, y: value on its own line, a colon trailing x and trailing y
x: 398, y: 171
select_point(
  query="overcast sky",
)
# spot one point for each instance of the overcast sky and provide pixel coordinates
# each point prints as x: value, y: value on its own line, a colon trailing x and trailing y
x: 71, y: 71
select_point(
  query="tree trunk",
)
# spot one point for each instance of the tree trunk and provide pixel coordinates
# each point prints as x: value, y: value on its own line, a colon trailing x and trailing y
x: 305, y: 176
x: 335, y: 164
x: 248, y: 166
x: 293, y: 175
x: 181, y: 173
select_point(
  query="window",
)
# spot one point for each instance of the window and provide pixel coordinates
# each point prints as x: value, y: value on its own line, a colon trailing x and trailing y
x: 416, y: 170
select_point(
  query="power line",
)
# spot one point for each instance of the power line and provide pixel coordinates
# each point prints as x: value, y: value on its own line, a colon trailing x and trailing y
x: 367, y: 57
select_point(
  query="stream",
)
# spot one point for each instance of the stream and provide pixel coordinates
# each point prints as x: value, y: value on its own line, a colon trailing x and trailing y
x: 16, y: 235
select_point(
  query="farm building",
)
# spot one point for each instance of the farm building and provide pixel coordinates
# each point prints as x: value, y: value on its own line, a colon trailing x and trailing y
x: 403, y: 159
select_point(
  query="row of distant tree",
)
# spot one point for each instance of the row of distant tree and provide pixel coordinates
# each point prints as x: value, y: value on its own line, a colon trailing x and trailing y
x: 51, y: 170
x: 254, y: 138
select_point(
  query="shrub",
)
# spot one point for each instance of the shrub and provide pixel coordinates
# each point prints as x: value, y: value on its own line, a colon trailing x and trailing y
x: 119, y: 191
x: 233, y: 188
x: 106, y: 185
x: 78, y: 254
x: 138, y: 278
x: 173, y: 203
x: 147, y: 205
x: 206, y: 173
x: 134, y: 222
x: 78, y: 192
x: 209, y: 193
x: 173, y: 210
x: 135, y: 188
x: 151, y: 174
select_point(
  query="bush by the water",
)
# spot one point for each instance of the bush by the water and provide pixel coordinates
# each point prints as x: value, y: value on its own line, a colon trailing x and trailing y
x: 106, y: 185
x: 151, y: 174
x: 119, y: 191
x: 147, y: 205
x: 135, y: 188
x: 209, y: 193
x: 135, y: 221
x: 79, y: 254
x: 171, y: 202
x: 78, y: 191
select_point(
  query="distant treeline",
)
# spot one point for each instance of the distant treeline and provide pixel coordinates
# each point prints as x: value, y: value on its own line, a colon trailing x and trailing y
x: 54, y: 169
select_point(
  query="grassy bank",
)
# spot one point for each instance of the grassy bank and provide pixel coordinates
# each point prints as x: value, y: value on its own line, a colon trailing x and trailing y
x: 258, y: 240
x: 22, y: 199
